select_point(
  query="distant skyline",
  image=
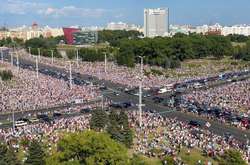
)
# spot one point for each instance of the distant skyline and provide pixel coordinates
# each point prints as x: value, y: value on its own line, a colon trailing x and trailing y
x: 58, y: 13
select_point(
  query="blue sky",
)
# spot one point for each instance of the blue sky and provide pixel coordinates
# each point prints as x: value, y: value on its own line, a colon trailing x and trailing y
x: 100, y: 12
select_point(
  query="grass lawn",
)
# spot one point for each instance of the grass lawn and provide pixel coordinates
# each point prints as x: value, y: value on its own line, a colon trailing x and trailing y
x: 194, y: 156
x: 151, y: 161
x: 199, y: 67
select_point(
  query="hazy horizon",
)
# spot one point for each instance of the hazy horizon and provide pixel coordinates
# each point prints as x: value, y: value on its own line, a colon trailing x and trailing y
x: 59, y: 13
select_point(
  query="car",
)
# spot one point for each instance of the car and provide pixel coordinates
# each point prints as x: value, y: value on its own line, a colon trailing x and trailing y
x: 85, y: 110
x: 20, y: 123
x: 57, y: 114
x: 116, y: 105
x: 158, y: 99
x: 127, y: 104
x: 43, y: 118
x: 116, y: 93
x: 33, y: 120
x: 194, y: 123
x: 102, y: 88
x: 24, y: 120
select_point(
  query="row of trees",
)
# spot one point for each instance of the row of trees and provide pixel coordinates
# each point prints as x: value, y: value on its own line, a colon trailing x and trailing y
x: 242, y: 52
x: 238, y: 38
x: 45, y: 45
x: 9, y: 42
x: 168, y: 52
x: 126, y: 46
x: 113, y: 37
x: 92, y: 54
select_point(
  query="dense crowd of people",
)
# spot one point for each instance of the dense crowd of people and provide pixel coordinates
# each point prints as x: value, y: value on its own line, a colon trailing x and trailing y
x: 130, y: 76
x: 166, y: 135
x: 232, y: 97
x: 169, y: 136
x: 27, y: 92
x: 227, y: 104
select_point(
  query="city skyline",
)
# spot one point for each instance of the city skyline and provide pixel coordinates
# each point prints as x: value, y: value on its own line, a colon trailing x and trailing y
x: 99, y: 13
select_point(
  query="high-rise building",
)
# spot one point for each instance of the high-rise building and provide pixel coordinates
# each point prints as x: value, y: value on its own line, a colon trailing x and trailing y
x: 156, y: 22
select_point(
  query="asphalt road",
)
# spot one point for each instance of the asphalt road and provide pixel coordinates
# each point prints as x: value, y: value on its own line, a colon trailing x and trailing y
x: 215, y: 127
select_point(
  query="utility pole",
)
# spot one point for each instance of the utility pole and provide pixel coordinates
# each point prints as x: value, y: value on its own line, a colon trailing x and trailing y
x: 11, y: 58
x: 105, y: 63
x: 70, y: 75
x: 29, y: 51
x: 13, y: 121
x: 102, y: 103
x: 37, y: 70
x: 140, y: 92
x: 77, y: 58
x: 39, y: 53
x: 17, y: 61
x: 52, y: 56
x: 2, y: 55
x: 13, y: 117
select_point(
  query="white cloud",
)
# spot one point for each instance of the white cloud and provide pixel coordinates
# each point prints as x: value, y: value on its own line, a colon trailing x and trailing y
x: 22, y: 7
x: 74, y: 12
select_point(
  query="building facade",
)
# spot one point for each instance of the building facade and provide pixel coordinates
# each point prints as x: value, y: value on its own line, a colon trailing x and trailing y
x: 156, y: 22
x: 26, y: 33
x: 85, y: 37
x: 76, y: 36
x: 68, y: 34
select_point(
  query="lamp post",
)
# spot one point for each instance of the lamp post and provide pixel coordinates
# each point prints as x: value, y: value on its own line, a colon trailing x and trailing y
x: 52, y: 56
x: 77, y: 58
x: 29, y: 51
x: 140, y: 92
x: 37, y: 70
x: 17, y: 61
x: 105, y: 62
x: 39, y: 53
x: 11, y: 58
x: 70, y: 75
x: 2, y: 55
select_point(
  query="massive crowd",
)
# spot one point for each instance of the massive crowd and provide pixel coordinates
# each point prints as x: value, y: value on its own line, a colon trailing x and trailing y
x: 169, y: 136
x: 27, y: 92
x: 232, y: 97
x: 166, y: 135
x: 130, y: 76
x: 228, y: 104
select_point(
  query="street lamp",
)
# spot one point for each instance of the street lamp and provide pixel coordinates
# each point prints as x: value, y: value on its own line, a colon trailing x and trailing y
x: 37, y: 70
x: 105, y: 62
x: 77, y: 58
x: 2, y: 55
x: 70, y: 75
x: 52, y: 56
x: 140, y: 91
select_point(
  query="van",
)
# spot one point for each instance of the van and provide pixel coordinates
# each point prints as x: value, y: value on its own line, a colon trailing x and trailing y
x: 20, y: 123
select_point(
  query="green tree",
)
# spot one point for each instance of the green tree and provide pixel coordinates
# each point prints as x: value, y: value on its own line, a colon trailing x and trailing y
x: 99, y: 120
x: 119, y: 129
x: 232, y: 157
x: 90, y: 147
x: 35, y: 155
x: 6, y: 75
x: 7, y: 155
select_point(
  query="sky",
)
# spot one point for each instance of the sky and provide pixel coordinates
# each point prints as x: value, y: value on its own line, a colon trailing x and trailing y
x: 58, y: 13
